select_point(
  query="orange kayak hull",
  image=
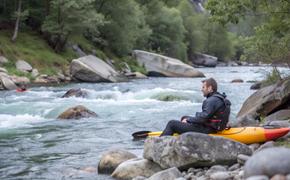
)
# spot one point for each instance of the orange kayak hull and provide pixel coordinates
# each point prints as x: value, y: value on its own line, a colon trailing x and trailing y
x: 246, y: 135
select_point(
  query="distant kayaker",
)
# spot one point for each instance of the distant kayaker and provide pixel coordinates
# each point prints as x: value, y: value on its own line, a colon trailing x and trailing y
x: 21, y: 88
x: 214, y: 116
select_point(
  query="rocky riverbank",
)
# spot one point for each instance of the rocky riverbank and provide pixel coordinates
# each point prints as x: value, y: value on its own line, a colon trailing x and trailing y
x: 93, y: 69
x: 200, y: 156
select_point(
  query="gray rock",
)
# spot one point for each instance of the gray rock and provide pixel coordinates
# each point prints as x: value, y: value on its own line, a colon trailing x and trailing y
x: 139, y: 178
x: 193, y: 150
x: 3, y: 60
x: 234, y: 167
x: 254, y: 146
x: 278, y: 177
x: 3, y: 70
x: 283, y: 114
x: 23, y: 66
x: 268, y: 144
x: 92, y: 69
x: 269, y: 162
x: 220, y: 176
x: 284, y: 123
x: 136, y: 75
x: 45, y: 79
x: 204, y: 60
x: 136, y: 167
x: 242, y: 158
x: 168, y: 174
x: 288, y: 177
x: 76, y: 93
x: 20, y: 80
x: 256, y: 85
x: 111, y: 159
x: 6, y: 82
x: 260, y: 177
x: 263, y: 102
x: 218, y: 168
x: 77, y: 112
x: 159, y: 65
x: 232, y: 63
x: 34, y: 73
x: 237, y: 81
x: 180, y: 178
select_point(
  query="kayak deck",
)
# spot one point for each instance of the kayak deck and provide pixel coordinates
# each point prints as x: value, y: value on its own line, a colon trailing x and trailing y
x: 246, y: 135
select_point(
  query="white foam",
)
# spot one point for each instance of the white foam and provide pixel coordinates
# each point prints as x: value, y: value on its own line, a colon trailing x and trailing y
x: 142, y: 95
x: 15, y: 121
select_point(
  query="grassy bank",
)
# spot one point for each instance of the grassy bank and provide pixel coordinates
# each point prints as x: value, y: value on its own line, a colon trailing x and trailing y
x: 31, y: 47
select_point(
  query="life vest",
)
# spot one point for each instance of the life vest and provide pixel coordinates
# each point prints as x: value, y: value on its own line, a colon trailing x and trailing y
x: 220, y: 118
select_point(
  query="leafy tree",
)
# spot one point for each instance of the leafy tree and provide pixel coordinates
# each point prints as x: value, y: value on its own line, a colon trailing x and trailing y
x: 125, y: 27
x: 192, y: 22
x: 167, y: 30
x: 216, y: 40
x: 67, y: 17
x: 271, y: 41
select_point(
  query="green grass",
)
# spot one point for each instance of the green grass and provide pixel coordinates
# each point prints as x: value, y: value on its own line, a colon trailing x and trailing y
x: 30, y: 47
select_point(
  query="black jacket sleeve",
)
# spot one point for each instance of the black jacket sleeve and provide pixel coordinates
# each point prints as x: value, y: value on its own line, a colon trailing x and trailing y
x: 209, y: 107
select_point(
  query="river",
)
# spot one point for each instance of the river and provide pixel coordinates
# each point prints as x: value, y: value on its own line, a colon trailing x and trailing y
x: 35, y: 145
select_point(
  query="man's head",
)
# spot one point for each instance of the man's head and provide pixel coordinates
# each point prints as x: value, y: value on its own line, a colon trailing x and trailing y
x: 208, y: 86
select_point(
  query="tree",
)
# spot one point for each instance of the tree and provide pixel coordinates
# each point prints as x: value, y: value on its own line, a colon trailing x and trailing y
x: 167, y: 30
x: 192, y: 22
x: 125, y: 26
x: 67, y: 17
x: 18, y: 15
x: 271, y: 40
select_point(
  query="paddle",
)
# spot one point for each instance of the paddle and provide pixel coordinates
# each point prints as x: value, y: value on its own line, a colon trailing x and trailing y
x: 140, y: 134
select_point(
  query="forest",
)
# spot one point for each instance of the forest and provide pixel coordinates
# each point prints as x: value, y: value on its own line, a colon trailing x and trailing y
x: 233, y: 30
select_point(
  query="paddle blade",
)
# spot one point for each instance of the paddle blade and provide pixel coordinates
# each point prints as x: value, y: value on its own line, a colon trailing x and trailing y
x: 140, y: 134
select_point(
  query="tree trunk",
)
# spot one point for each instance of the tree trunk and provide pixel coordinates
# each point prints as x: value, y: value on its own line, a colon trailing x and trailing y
x: 17, y: 21
x: 47, y: 7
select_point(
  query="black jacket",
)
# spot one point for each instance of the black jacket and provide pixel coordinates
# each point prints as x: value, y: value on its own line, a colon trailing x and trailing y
x: 210, y: 107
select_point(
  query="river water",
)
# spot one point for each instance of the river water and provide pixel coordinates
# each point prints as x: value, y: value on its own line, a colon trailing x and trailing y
x: 35, y: 145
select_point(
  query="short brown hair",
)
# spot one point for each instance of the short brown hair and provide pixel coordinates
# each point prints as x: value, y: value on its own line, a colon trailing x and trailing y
x: 211, y: 82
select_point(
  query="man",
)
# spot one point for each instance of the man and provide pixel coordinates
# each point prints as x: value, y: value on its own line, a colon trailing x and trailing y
x: 214, y: 116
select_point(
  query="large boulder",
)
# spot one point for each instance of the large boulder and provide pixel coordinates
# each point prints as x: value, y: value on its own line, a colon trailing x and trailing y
x: 158, y: 65
x: 269, y: 162
x: 75, y: 93
x: 264, y: 102
x: 23, y: 66
x: 77, y: 112
x: 136, y: 167
x: 204, y: 60
x: 6, y: 82
x: 193, y: 150
x: 92, y: 69
x: 111, y: 159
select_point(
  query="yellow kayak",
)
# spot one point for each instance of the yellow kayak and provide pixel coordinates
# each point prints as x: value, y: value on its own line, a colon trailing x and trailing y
x: 246, y: 135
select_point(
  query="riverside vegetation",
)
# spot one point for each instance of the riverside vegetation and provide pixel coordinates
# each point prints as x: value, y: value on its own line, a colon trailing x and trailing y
x: 49, y: 34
